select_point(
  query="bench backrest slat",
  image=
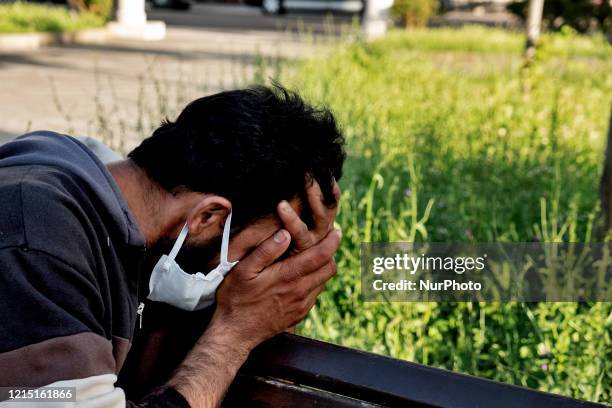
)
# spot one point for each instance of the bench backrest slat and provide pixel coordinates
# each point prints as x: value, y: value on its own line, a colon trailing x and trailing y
x: 304, y: 368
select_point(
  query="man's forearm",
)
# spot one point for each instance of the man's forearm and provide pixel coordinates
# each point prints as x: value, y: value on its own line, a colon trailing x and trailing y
x: 259, y: 299
x: 210, y: 367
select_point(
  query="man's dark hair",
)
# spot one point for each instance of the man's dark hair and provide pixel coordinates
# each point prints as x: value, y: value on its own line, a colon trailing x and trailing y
x: 254, y: 146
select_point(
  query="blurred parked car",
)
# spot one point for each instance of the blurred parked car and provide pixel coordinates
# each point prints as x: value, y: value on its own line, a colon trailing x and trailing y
x: 283, y: 6
x: 172, y: 4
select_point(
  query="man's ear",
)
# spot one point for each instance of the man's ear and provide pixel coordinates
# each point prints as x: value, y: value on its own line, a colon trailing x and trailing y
x: 208, y: 216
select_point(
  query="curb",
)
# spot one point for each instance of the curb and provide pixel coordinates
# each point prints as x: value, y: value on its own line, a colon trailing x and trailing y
x: 35, y: 41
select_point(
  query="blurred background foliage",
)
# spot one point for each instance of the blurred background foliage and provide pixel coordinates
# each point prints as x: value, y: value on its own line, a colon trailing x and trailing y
x: 21, y: 17
x: 451, y: 138
x: 102, y: 8
x: 414, y: 13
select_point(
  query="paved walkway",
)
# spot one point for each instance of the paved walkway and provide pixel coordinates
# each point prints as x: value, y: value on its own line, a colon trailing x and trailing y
x: 120, y: 90
x: 117, y: 91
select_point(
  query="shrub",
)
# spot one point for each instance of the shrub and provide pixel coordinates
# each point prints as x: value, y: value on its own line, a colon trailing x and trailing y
x: 26, y: 17
x: 100, y: 8
x: 414, y: 13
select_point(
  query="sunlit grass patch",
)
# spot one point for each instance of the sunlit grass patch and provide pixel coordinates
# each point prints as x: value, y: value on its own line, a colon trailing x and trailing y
x: 451, y: 138
x: 27, y: 17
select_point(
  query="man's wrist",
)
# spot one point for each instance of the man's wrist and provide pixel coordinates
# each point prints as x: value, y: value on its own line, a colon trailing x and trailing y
x: 223, y: 334
x: 211, y: 366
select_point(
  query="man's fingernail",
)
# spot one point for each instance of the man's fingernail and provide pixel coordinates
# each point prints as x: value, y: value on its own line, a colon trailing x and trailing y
x: 280, y: 237
x: 285, y: 206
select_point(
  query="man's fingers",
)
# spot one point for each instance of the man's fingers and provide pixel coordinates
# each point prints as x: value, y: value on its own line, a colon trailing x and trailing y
x: 312, y: 259
x: 315, y: 199
x: 265, y: 254
x: 319, y: 278
x: 320, y: 213
x: 301, y: 237
x: 309, y: 301
x: 336, y: 191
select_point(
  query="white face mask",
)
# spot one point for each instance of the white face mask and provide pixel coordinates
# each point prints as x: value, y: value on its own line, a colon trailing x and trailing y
x: 170, y: 284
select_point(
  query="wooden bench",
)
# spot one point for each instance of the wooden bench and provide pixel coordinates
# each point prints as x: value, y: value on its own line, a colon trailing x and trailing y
x: 293, y: 371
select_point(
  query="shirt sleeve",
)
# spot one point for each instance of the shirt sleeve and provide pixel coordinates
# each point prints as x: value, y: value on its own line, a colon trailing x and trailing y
x: 52, y: 333
x: 52, y: 318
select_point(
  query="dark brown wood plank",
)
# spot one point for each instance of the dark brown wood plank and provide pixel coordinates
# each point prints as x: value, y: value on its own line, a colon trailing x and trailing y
x: 259, y: 392
x: 385, y: 381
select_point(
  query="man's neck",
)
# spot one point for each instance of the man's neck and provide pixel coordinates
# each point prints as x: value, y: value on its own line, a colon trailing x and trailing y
x: 144, y: 197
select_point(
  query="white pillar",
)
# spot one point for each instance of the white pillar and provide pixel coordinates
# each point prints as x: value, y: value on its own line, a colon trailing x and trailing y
x: 534, y: 23
x: 376, y: 17
x: 132, y: 22
x: 131, y: 12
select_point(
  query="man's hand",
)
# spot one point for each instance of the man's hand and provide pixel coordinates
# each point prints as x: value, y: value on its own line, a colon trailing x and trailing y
x: 257, y: 300
x: 322, y: 216
x: 262, y: 298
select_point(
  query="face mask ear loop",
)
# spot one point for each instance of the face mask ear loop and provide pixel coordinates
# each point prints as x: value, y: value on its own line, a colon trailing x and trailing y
x: 225, y: 239
x: 178, y: 244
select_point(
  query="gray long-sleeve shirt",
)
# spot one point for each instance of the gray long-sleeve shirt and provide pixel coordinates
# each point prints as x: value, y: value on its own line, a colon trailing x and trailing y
x: 69, y: 252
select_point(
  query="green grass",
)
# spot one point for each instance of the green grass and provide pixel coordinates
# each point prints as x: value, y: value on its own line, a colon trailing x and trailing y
x: 26, y: 17
x: 448, y: 120
x: 480, y: 39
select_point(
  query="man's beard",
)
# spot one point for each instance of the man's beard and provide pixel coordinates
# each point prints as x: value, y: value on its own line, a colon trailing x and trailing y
x: 191, y: 258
